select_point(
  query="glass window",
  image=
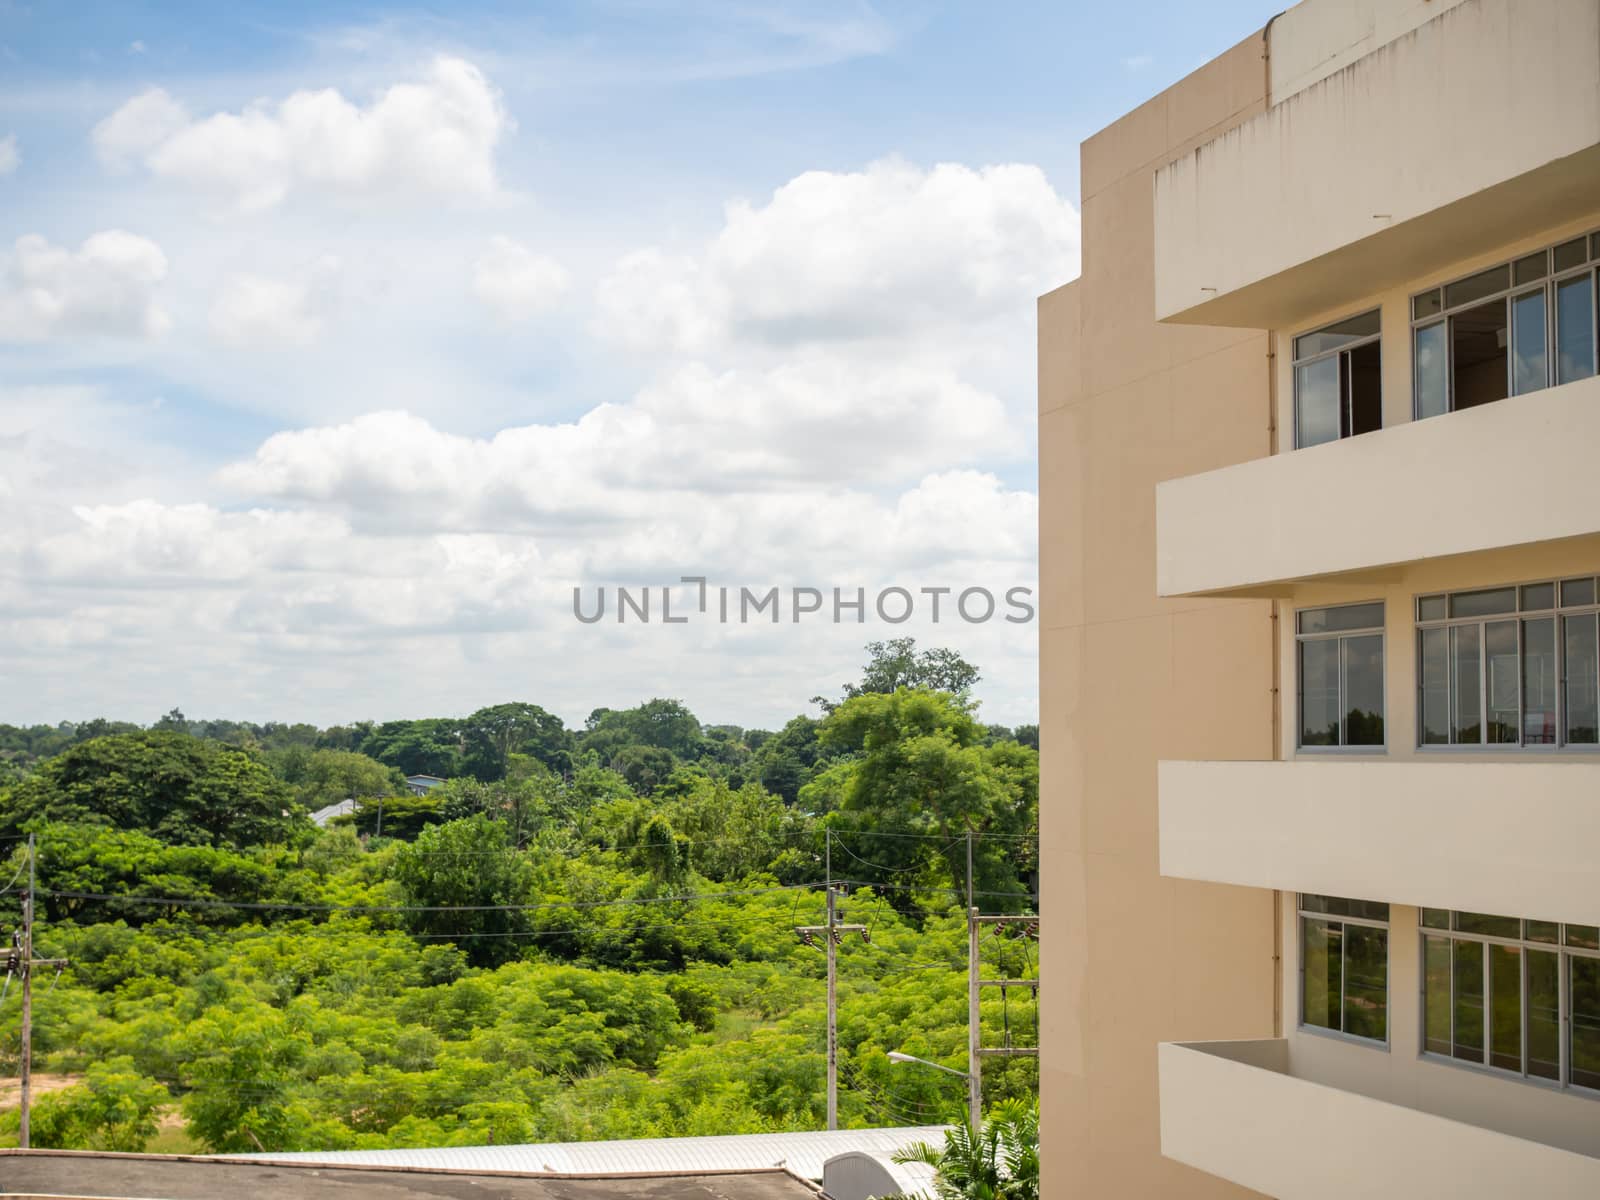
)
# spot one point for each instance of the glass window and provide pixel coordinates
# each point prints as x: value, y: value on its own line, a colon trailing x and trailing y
x: 1539, y: 681
x: 1498, y: 1003
x: 1316, y: 402
x: 1322, y: 967
x: 1586, y: 937
x: 1575, y: 334
x: 1432, y: 380
x: 1436, y: 995
x: 1340, y: 676
x: 1436, y: 918
x: 1538, y: 596
x: 1528, y: 334
x: 1534, y: 266
x: 1582, y: 678
x: 1575, y: 593
x: 1468, y: 1009
x: 1506, y: 927
x: 1505, y: 1008
x: 1466, y: 720
x: 1483, y: 603
x: 1338, y: 381
x: 1344, y: 966
x: 1571, y: 254
x: 1472, y: 343
x: 1585, y: 1021
x: 1503, y: 690
x: 1476, y: 287
x: 1336, y: 336
x: 1485, y: 677
x: 1319, y: 692
x: 1544, y: 1014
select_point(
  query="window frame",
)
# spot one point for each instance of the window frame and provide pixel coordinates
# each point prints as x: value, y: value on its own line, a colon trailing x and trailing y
x: 1564, y: 953
x: 1558, y: 614
x: 1382, y: 633
x: 1296, y: 362
x: 1302, y: 914
x: 1548, y: 282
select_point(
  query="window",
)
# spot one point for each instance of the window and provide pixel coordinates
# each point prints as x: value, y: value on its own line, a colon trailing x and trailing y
x: 1493, y: 995
x: 1344, y: 966
x: 1338, y: 381
x: 1340, y: 666
x: 1510, y: 666
x: 1511, y: 329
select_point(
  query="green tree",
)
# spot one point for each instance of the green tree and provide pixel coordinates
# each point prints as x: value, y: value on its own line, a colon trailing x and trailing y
x: 917, y: 777
x: 491, y: 735
x: 114, y: 1108
x: 897, y: 663
x: 174, y: 786
x: 329, y: 776
x: 998, y: 1162
x: 471, y: 867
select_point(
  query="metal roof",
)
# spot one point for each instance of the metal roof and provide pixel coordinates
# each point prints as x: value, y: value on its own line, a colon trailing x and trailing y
x: 801, y: 1153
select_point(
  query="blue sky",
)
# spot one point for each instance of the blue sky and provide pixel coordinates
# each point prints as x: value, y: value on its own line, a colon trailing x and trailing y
x: 339, y: 342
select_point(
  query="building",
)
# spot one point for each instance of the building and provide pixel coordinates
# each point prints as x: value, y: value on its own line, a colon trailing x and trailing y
x: 85, y: 1175
x: 421, y: 785
x: 1319, y: 437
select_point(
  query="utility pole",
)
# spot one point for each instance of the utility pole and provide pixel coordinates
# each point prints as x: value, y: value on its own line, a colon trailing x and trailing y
x: 976, y: 1050
x: 833, y: 933
x: 974, y: 1022
x: 23, y: 963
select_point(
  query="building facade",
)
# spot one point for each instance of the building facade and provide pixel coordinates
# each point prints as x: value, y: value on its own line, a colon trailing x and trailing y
x: 1319, y: 436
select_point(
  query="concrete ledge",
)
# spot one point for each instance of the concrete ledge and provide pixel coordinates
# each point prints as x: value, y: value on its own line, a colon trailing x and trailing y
x: 1236, y: 1110
x: 1516, y: 838
x: 1401, y: 495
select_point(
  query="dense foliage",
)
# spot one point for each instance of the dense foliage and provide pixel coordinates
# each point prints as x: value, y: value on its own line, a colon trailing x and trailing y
x: 581, y: 934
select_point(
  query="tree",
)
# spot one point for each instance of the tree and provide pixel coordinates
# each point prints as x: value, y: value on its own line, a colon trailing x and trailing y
x: 916, y: 778
x: 666, y: 724
x: 998, y: 1162
x: 491, y: 735
x: 114, y: 1108
x: 470, y: 866
x: 174, y: 786
x: 786, y: 761
x: 329, y: 776
x: 897, y: 664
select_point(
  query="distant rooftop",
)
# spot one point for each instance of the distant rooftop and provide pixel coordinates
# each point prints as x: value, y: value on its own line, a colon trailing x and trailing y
x: 801, y: 1153
x: 174, y: 1177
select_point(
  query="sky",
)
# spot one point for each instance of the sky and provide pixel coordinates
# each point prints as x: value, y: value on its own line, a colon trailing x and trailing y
x: 342, y: 343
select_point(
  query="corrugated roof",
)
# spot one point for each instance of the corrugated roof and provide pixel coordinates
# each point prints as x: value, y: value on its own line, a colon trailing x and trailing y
x: 802, y: 1153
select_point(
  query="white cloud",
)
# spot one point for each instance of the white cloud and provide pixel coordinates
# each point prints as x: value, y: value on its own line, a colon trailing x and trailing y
x: 515, y: 283
x: 105, y: 287
x: 137, y: 47
x: 693, y: 432
x: 436, y: 135
x: 1137, y: 62
x: 261, y: 312
x: 138, y: 127
x: 10, y: 156
x: 834, y: 257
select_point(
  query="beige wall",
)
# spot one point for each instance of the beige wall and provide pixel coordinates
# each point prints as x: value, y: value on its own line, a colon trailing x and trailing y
x: 1313, y: 40
x: 1457, y: 831
x: 1129, y: 958
x: 1252, y: 527
x: 1264, y: 1114
x: 1444, y: 138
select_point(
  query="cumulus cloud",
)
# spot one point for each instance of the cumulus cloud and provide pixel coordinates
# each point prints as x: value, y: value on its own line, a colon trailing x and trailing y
x: 515, y: 283
x: 837, y: 256
x: 10, y: 156
x: 138, y: 127
x: 262, y: 312
x: 436, y: 135
x: 106, y: 287
x: 694, y: 431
